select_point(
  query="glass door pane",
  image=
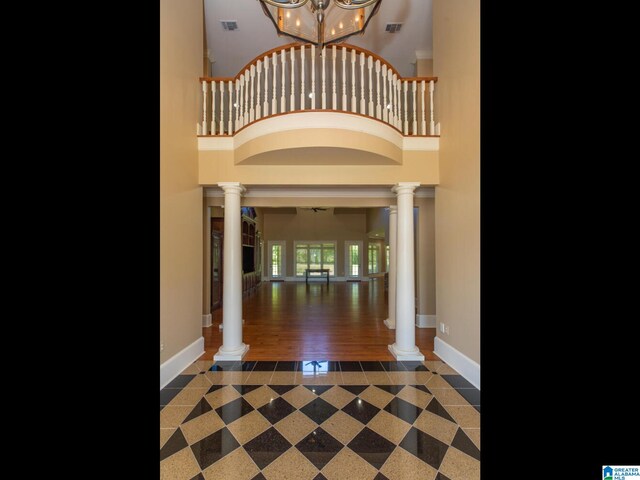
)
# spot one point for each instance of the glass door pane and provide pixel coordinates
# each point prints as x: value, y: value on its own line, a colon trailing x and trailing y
x: 277, y: 261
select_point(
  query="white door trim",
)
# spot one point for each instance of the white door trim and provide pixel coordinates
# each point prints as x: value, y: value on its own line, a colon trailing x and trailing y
x: 284, y: 259
x: 347, y: 243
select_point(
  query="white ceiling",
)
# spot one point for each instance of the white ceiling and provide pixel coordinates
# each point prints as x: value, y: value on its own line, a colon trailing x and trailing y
x: 230, y: 51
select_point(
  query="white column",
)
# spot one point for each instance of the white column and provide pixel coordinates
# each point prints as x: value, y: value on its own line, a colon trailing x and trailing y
x: 393, y: 235
x: 232, y: 346
x: 405, y: 346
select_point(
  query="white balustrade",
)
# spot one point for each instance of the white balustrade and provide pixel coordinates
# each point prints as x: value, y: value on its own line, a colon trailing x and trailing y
x: 399, y: 102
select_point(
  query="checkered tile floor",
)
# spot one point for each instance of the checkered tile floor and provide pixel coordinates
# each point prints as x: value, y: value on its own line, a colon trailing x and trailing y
x: 312, y: 420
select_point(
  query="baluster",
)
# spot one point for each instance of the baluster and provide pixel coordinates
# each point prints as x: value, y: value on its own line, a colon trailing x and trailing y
x: 432, y: 128
x: 362, y: 102
x: 334, y: 102
x: 283, y: 100
x: 292, y: 98
x: 385, y: 110
x: 344, y: 79
x: 230, y: 126
x: 241, y: 106
x: 265, y: 106
x: 313, y: 77
x: 353, y: 81
x: 274, y: 103
x: 423, y: 123
x: 370, y: 65
x: 324, y: 89
x: 302, y: 65
x: 246, y: 97
x: 378, y: 110
x: 237, y: 104
x: 258, y: 90
x: 405, y: 84
x: 414, y: 129
x: 221, y: 107
x: 204, y: 107
x: 252, y: 112
x: 213, y: 107
x: 392, y: 115
x: 395, y: 100
x: 399, y: 99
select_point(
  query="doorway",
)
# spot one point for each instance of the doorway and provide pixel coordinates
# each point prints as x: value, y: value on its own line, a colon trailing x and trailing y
x: 277, y: 269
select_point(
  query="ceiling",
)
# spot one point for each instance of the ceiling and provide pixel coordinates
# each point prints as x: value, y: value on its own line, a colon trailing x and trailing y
x: 231, y: 50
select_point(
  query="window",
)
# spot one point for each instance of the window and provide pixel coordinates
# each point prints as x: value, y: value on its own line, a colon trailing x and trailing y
x: 374, y: 258
x: 315, y: 255
x: 388, y: 253
x: 353, y: 258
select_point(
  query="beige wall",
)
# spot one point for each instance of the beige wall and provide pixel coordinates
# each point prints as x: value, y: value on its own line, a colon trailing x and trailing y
x: 456, y: 63
x: 425, y: 256
x: 181, y: 218
x: 424, y: 67
x: 307, y: 225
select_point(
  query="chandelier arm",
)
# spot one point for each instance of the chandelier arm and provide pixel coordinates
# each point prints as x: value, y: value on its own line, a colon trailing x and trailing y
x: 285, y: 5
x: 353, y: 6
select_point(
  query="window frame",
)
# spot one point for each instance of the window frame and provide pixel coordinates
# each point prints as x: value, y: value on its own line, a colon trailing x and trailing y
x: 296, y: 243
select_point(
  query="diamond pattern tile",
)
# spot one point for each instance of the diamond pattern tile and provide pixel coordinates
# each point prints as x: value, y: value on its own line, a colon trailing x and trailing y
x: 320, y: 420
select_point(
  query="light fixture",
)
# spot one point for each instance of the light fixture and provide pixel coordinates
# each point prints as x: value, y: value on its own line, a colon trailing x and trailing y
x: 321, y: 22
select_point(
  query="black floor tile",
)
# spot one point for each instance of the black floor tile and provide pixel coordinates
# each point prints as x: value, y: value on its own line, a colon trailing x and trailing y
x: 392, y: 389
x: 282, y: 389
x: 319, y: 447
x: 318, y: 410
x: 247, y: 366
x: 198, y: 477
x: 201, y: 408
x: 435, y: 407
x: 318, y: 389
x: 372, y: 366
x: 457, y: 381
x: 266, y: 447
x: 244, y: 389
x: 259, y: 476
x: 374, y: 448
x: 212, y: 448
x: 477, y: 407
x: 167, y: 394
x: 471, y: 395
x: 318, y: 366
x: 415, y: 366
x: 214, y: 388
x: 265, y: 366
x: 276, y: 410
x: 425, y: 447
x: 226, y: 367
x: 361, y: 410
x: 394, y: 366
x: 320, y: 477
x: 423, y: 388
x: 180, y: 381
x: 355, y: 389
x: 380, y: 476
x: 441, y: 477
x: 175, y: 443
x: 286, y: 366
x: 404, y: 410
x: 463, y: 443
x: 232, y: 411
x: 350, y: 367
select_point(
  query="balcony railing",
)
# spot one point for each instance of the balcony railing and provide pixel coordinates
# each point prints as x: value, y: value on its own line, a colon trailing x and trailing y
x: 296, y: 78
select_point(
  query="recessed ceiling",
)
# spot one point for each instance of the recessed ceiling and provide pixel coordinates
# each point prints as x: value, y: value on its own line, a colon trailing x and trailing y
x: 231, y: 50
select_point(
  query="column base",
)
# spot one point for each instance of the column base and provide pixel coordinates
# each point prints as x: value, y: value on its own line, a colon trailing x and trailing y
x: 405, y: 355
x: 231, y: 355
x: 389, y: 325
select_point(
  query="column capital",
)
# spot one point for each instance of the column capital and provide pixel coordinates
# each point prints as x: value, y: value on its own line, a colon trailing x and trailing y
x: 393, y: 209
x: 404, y: 187
x: 232, y: 187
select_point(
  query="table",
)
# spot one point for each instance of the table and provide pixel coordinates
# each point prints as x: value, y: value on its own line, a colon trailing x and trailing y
x: 307, y: 271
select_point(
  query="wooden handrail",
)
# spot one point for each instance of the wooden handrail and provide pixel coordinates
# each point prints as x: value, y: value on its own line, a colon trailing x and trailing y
x: 298, y: 45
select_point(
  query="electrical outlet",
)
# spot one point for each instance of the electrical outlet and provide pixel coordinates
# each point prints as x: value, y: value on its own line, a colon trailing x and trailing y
x: 442, y: 327
x: 162, y: 347
x: 446, y: 329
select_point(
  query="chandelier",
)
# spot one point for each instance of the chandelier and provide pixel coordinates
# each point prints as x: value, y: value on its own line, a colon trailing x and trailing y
x: 322, y: 22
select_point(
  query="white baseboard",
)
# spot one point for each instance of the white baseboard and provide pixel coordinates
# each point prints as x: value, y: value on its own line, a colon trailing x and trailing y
x: 469, y: 369
x: 389, y: 325
x: 181, y: 360
x: 206, y: 320
x: 425, y: 321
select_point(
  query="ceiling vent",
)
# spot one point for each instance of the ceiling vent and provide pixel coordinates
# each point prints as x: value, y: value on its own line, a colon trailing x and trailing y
x: 229, y: 25
x: 393, y: 27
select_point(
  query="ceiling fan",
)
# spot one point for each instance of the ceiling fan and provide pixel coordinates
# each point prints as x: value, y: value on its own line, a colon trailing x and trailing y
x: 315, y: 209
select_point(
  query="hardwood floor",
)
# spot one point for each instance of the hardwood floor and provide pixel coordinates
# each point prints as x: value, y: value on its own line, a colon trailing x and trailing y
x: 339, y: 321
